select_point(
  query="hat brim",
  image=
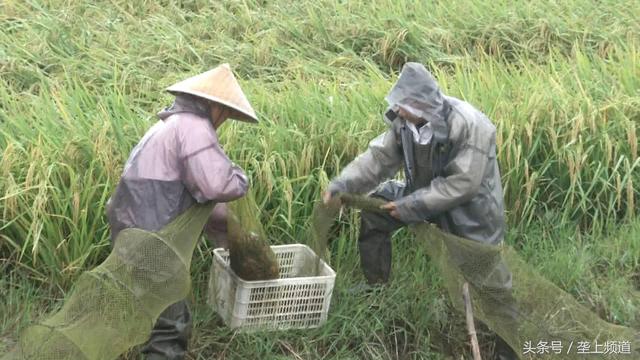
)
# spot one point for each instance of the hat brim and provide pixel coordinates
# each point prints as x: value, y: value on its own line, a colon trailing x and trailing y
x: 237, y: 114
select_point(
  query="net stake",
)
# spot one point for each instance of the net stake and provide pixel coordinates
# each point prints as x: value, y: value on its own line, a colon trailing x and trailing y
x: 471, y: 327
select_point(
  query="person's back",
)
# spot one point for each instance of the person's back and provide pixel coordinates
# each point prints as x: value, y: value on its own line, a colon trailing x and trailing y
x: 177, y: 163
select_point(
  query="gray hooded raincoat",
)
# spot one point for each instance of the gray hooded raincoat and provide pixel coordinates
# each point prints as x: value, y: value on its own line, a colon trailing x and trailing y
x: 454, y: 181
x: 451, y: 179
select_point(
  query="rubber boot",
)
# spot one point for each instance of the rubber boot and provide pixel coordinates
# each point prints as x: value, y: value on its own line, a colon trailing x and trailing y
x: 503, y: 351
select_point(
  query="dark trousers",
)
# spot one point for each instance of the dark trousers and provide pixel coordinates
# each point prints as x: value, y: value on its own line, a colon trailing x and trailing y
x: 374, y: 243
x: 170, y: 335
x: 374, y: 240
x: 169, y: 338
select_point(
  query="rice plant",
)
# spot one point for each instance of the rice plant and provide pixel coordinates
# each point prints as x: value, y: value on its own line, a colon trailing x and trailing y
x: 80, y: 83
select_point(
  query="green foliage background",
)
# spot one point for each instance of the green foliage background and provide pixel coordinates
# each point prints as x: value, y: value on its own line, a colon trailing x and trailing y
x: 80, y: 83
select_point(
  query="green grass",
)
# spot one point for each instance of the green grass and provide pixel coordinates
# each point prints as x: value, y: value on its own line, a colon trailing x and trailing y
x: 80, y: 83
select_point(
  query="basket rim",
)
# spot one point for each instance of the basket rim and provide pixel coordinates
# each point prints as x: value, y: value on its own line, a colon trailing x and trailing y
x: 276, y: 282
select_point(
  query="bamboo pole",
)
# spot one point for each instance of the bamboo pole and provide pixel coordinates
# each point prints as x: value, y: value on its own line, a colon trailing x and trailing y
x: 475, y: 348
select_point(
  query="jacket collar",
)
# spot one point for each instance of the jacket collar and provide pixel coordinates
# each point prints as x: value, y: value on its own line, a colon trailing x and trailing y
x: 186, y: 103
x: 440, y: 124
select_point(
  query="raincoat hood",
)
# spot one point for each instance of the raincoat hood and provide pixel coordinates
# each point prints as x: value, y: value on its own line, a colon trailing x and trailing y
x: 418, y: 92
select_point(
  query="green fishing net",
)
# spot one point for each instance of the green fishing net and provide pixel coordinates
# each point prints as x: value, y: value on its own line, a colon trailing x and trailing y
x: 250, y: 255
x: 114, y: 306
x: 535, y: 317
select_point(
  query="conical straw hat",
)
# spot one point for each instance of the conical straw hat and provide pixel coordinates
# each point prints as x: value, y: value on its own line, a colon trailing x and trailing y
x: 218, y: 85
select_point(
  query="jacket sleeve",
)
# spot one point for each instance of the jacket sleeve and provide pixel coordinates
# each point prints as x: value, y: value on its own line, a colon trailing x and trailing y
x: 461, y: 181
x: 208, y: 173
x: 381, y: 161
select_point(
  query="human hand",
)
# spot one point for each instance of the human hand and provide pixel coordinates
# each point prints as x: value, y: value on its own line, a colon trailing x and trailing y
x: 392, y: 208
x: 329, y: 199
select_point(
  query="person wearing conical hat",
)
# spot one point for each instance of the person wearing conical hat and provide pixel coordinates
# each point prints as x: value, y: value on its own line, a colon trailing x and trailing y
x: 177, y: 163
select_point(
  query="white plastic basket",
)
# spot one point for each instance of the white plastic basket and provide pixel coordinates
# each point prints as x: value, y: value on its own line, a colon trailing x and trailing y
x: 294, y: 301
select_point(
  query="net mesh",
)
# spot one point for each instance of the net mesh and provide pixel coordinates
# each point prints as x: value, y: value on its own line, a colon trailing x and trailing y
x: 530, y: 311
x: 250, y: 255
x: 114, y: 306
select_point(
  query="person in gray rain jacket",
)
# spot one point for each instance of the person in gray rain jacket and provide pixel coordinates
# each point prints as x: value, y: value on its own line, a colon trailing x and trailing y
x: 448, y: 151
x: 179, y: 162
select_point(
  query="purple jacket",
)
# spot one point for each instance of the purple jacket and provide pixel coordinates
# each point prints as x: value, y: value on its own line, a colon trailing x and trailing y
x: 177, y: 163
